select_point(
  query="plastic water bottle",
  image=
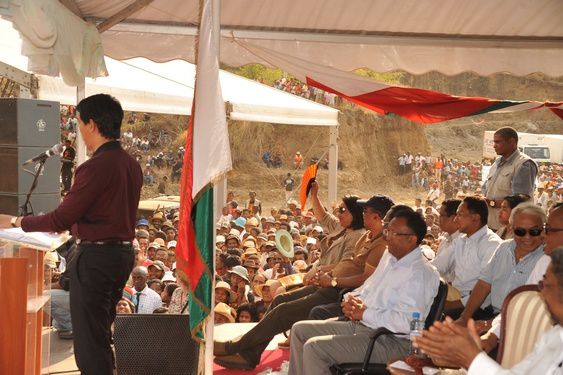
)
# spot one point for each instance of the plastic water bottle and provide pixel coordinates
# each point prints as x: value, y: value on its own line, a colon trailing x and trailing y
x: 416, y: 330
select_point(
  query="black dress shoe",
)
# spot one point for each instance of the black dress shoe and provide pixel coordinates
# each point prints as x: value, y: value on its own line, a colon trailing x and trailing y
x: 234, y: 361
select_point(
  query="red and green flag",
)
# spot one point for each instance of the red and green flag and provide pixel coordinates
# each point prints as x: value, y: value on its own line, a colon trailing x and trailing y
x: 207, y: 159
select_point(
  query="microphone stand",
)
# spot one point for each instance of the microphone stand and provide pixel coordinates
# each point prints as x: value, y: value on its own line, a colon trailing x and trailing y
x: 26, y: 209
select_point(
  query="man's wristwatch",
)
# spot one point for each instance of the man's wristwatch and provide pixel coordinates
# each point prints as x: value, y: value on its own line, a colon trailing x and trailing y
x: 334, y: 282
x: 14, y: 221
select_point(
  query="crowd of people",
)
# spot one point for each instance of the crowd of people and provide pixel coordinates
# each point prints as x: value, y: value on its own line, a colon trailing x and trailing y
x: 296, y: 87
x: 370, y: 263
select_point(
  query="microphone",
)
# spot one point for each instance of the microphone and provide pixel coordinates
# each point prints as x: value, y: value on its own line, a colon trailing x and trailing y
x: 55, y: 150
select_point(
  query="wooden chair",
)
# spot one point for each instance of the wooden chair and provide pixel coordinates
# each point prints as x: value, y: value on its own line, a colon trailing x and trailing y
x: 525, y: 319
x: 365, y: 367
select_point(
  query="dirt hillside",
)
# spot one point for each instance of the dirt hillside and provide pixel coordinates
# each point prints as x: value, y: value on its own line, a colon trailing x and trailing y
x: 369, y: 143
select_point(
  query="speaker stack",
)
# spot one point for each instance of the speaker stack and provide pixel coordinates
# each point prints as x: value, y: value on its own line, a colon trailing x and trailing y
x: 28, y: 127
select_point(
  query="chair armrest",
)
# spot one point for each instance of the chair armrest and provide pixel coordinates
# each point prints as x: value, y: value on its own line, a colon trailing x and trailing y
x: 373, y: 337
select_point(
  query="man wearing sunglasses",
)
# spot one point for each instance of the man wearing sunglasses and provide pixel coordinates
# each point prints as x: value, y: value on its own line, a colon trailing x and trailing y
x: 512, y: 262
x: 553, y: 239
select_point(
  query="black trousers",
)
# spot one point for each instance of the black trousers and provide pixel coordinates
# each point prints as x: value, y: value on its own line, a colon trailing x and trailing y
x: 286, y: 309
x: 98, y: 274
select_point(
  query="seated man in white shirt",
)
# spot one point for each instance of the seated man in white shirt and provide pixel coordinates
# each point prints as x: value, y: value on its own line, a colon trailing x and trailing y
x: 461, y: 346
x: 552, y: 240
x: 450, y: 228
x: 512, y: 262
x: 147, y: 299
x: 403, y: 282
x: 469, y: 254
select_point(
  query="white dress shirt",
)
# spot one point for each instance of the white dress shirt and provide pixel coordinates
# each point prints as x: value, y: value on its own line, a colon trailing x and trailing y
x: 545, y: 359
x: 443, y: 254
x: 469, y: 255
x: 148, y: 300
x: 398, y: 288
x: 534, y: 278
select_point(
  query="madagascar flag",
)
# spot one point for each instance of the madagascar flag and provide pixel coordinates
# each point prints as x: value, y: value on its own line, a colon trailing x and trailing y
x: 418, y: 105
x: 207, y: 158
x: 309, y: 177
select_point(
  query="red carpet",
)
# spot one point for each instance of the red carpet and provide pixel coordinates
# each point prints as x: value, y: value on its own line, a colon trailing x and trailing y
x: 270, y: 359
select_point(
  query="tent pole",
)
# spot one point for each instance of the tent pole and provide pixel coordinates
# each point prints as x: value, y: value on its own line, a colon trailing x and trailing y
x: 332, y: 164
x: 80, y: 146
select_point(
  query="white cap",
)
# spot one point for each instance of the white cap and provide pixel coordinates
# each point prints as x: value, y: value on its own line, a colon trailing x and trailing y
x: 219, y: 238
x: 171, y: 244
x: 311, y: 240
x: 168, y: 276
x: 318, y: 228
x: 235, y: 232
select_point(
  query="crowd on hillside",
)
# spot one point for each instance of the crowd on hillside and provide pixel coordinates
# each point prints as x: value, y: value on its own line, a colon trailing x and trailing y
x: 296, y: 87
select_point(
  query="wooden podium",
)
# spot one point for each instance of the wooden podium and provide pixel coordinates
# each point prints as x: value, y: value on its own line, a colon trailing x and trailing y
x: 23, y: 295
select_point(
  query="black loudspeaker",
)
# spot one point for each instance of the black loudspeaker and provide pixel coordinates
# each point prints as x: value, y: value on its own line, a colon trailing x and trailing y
x: 148, y: 344
x: 28, y: 127
x: 29, y: 122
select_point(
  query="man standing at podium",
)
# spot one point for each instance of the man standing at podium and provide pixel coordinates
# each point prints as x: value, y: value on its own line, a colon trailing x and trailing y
x: 99, y: 210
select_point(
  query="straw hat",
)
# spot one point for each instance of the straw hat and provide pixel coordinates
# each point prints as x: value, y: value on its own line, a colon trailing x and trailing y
x: 225, y: 310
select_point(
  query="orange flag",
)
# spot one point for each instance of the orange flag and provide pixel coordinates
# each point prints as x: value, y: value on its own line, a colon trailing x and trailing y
x: 309, y: 177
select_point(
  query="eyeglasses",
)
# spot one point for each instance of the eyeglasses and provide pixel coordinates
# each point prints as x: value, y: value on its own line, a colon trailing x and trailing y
x: 549, y: 230
x: 390, y: 233
x: 521, y: 232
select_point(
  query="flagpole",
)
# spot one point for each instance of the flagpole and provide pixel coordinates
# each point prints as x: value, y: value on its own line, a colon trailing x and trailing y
x: 208, y: 361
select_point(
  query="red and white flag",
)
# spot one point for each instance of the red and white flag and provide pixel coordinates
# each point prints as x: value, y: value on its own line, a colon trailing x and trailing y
x: 422, y: 106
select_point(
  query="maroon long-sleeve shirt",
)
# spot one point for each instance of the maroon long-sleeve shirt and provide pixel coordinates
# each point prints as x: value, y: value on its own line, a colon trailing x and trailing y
x: 102, y: 203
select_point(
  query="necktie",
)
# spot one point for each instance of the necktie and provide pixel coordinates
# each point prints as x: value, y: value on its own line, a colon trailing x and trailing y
x: 138, y: 294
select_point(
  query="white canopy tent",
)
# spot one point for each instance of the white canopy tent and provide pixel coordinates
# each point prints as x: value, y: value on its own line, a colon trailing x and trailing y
x: 146, y: 86
x: 484, y: 36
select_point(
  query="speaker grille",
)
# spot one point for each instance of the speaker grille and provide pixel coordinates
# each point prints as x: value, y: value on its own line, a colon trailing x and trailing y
x: 154, y: 344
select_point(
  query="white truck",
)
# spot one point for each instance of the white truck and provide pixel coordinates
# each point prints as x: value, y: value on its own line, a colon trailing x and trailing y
x: 543, y: 148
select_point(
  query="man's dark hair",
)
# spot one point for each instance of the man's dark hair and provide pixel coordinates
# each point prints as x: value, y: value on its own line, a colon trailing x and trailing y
x: 557, y: 266
x: 106, y: 112
x: 450, y: 206
x: 415, y: 222
x: 395, y: 210
x: 515, y: 199
x: 507, y: 132
x: 250, y: 308
x: 231, y: 261
x: 301, y: 251
x: 154, y: 281
x: 478, y: 206
x: 357, y: 212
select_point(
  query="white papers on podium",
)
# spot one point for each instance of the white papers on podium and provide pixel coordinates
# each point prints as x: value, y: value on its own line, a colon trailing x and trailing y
x: 38, y: 240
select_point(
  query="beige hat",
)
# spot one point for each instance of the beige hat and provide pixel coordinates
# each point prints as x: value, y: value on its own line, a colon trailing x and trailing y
x: 258, y: 288
x: 225, y: 310
x: 154, y: 244
x: 224, y: 285
x: 160, y: 241
x: 252, y: 221
x: 158, y: 215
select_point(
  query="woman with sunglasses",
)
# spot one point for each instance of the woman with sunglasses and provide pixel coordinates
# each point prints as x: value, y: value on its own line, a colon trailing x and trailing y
x: 512, y: 262
x: 344, y: 227
x: 508, y: 203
